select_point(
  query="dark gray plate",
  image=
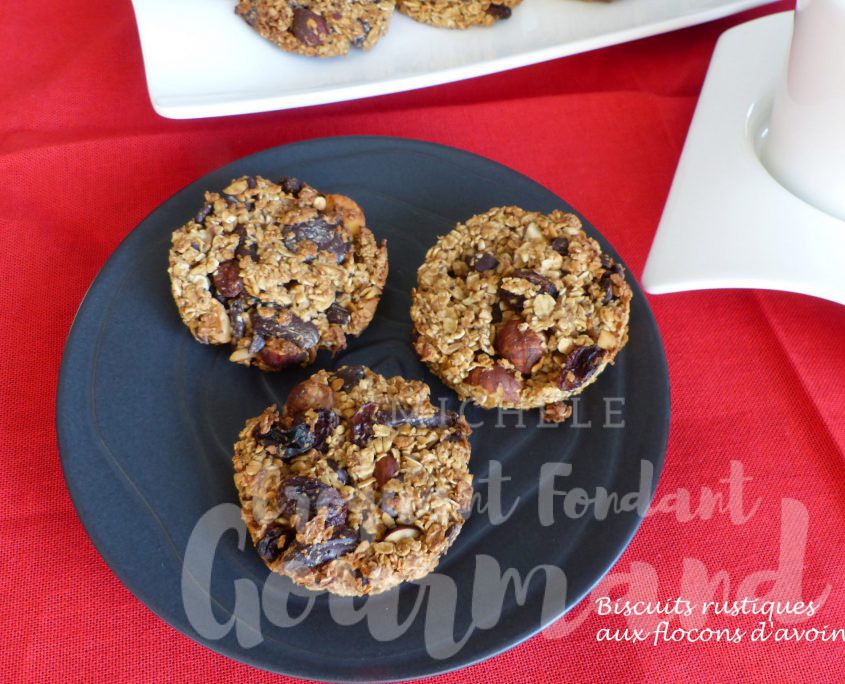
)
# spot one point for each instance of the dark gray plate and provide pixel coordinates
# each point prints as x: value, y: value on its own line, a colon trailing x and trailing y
x: 147, y: 417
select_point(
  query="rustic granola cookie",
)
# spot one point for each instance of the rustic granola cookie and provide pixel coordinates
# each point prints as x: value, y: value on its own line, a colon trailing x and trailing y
x: 457, y: 14
x: 520, y: 310
x: 322, y: 28
x: 357, y: 485
x: 278, y: 270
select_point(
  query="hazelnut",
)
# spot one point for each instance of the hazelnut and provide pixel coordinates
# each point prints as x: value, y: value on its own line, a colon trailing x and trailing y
x: 496, y: 379
x: 386, y: 469
x: 523, y: 348
x: 309, y: 394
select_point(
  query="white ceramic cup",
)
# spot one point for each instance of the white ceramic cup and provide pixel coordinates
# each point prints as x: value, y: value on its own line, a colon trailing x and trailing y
x: 805, y: 145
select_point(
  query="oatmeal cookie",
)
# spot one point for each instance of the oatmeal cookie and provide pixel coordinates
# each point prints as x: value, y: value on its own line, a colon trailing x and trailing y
x: 358, y: 484
x: 520, y: 310
x: 457, y: 14
x: 277, y: 270
x: 322, y: 28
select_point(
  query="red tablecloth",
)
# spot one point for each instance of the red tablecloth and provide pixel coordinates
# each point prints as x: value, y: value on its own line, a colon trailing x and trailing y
x: 758, y: 378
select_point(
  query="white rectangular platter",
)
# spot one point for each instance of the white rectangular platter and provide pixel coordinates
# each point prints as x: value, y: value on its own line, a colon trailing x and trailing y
x: 202, y: 60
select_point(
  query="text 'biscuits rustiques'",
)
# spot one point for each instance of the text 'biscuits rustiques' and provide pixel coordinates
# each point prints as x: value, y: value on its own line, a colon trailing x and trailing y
x: 519, y: 309
x: 277, y: 270
x: 358, y: 484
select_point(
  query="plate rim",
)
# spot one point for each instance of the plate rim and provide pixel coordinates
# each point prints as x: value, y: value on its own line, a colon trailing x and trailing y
x: 245, y: 655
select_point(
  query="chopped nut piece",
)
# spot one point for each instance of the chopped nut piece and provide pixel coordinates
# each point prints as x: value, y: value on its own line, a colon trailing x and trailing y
x: 402, y: 532
x: 606, y: 340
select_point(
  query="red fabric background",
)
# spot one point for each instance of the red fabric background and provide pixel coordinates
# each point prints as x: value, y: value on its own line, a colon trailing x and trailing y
x: 757, y: 377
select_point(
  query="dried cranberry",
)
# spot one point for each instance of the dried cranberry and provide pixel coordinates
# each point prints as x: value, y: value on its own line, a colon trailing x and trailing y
x: 580, y: 365
x: 227, y: 279
x: 306, y: 496
x: 337, y: 314
x: 351, y: 376
x: 287, y: 326
x: 311, y: 555
x: 499, y: 11
x: 363, y: 421
x: 561, y: 246
x: 316, y: 230
x: 291, y: 185
x: 290, y: 442
x: 606, y: 282
x: 268, y: 546
x: 320, y: 232
x: 277, y: 354
x: 324, y: 427
x: 484, y: 262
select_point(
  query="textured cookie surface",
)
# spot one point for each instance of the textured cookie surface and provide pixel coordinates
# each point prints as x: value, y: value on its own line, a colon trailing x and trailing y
x: 322, y: 28
x: 277, y: 270
x: 360, y: 483
x: 519, y: 309
x: 457, y: 14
